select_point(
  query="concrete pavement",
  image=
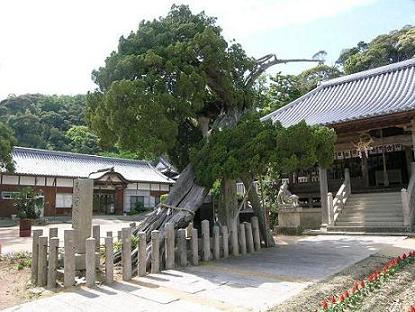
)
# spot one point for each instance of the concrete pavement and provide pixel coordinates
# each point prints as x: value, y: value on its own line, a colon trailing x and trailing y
x: 11, y: 242
x: 250, y: 283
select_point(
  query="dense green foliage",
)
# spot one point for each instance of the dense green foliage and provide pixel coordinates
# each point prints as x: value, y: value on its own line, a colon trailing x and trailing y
x: 284, y: 89
x: 162, y: 78
x: 254, y: 148
x: 7, y: 141
x: 28, y: 203
x: 41, y: 121
x: 398, y: 45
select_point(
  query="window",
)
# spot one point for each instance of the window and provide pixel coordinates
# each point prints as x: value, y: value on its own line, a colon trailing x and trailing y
x: 8, y: 195
x: 156, y: 200
x: 134, y: 200
x: 63, y: 200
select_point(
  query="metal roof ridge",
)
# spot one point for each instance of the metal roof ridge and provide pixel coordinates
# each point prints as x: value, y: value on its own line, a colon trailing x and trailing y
x: 79, y: 155
x: 370, y: 72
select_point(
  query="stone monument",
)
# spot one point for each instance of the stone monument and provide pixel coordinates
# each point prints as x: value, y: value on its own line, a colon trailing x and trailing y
x: 82, y: 200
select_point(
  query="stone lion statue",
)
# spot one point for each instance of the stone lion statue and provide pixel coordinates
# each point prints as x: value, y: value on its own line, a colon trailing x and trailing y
x: 285, y: 198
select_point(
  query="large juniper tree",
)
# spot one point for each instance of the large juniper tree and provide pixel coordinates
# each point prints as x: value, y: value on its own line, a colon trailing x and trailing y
x: 176, y: 86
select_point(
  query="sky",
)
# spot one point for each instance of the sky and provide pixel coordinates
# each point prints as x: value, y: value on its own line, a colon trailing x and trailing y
x: 52, y: 46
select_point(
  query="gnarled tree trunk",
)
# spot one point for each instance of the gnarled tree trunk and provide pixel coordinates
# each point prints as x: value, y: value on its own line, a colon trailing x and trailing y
x: 258, y: 212
x: 184, y: 200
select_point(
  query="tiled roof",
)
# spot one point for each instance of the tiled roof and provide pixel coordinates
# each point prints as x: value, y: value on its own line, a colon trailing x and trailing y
x: 380, y: 91
x: 31, y: 161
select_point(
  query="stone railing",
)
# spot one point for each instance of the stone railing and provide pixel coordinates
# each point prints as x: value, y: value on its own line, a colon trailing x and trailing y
x: 408, y: 200
x: 335, y: 205
x: 242, y: 239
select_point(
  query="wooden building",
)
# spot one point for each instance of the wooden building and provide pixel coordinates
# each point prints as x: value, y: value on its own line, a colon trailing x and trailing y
x: 119, y: 184
x: 373, y: 114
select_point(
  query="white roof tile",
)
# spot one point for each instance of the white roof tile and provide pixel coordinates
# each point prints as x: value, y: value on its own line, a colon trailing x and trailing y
x: 31, y: 161
x: 380, y: 91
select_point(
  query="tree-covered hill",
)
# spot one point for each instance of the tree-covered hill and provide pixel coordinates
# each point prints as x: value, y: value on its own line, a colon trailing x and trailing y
x: 49, y: 122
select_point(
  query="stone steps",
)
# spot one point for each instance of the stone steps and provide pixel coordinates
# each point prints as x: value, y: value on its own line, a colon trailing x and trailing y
x: 372, y: 212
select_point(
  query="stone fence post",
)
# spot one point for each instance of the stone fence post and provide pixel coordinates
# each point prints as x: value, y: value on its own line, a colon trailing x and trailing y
x: 330, y: 209
x: 42, y: 265
x: 182, y: 246
x: 242, y: 238
x: 406, y: 211
x: 234, y: 239
x: 69, y: 258
x: 225, y: 240
x: 53, y: 260
x: 142, y: 254
x: 96, y: 233
x: 90, y: 262
x: 255, y: 229
x: 155, y: 251
x: 169, y: 245
x: 35, y: 255
x: 216, y: 242
x: 195, y: 247
x: 109, y: 259
x: 249, y: 237
x: 126, y: 254
x: 205, y: 240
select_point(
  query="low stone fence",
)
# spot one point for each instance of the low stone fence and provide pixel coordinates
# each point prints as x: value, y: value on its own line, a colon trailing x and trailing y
x: 182, y: 247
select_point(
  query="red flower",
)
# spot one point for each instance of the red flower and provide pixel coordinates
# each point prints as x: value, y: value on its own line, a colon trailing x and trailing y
x: 333, y: 299
x: 346, y: 294
x: 341, y: 298
x: 362, y: 284
x: 325, y: 305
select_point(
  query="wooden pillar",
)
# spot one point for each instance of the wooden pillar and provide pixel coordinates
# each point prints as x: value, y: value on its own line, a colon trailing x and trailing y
x: 365, y: 170
x: 322, y: 172
x: 409, y: 159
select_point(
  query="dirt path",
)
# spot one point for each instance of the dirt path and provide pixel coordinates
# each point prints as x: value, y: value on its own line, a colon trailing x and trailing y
x: 15, y: 284
x: 397, y: 295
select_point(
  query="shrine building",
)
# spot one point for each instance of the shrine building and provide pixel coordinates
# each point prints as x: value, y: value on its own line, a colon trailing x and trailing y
x: 120, y: 185
x: 372, y: 178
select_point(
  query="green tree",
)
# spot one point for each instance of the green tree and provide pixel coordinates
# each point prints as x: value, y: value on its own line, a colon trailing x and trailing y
x: 82, y: 140
x: 284, y: 89
x: 28, y: 129
x: 398, y: 45
x: 7, y: 141
x: 171, y: 87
